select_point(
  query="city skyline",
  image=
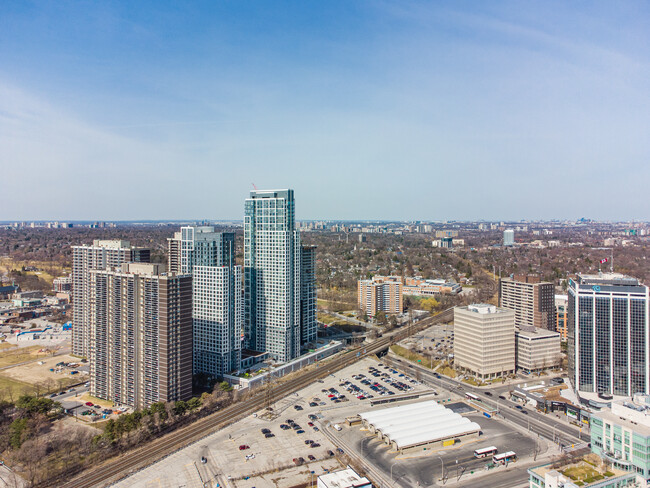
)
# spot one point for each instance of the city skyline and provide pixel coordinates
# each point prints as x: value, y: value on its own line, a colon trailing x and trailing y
x: 439, y: 106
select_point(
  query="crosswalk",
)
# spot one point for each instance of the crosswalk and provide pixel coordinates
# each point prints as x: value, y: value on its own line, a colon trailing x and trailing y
x: 574, y: 447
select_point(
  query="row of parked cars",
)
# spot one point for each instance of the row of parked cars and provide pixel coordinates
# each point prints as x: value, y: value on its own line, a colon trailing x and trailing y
x: 301, y: 460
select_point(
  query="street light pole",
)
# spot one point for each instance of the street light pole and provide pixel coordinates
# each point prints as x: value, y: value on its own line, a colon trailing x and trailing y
x: 391, y: 470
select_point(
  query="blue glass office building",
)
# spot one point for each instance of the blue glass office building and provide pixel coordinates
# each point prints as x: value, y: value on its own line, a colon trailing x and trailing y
x: 608, y: 334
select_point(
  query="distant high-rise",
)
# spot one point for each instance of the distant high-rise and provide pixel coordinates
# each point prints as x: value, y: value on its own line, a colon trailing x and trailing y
x: 217, y: 313
x: 508, y: 237
x: 272, y: 272
x: 380, y: 294
x: 141, y: 334
x: 608, y: 334
x: 308, y: 326
x: 532, y: 300
x: 101, y: 255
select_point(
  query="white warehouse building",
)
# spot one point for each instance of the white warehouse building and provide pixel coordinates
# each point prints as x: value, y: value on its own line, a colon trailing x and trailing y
x: 419, y: 426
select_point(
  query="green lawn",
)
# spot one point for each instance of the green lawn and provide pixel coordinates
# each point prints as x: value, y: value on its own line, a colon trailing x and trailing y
x: 10, y: 388
x: 326, y: 319
x: 413, y: 356
x: 16, y: 355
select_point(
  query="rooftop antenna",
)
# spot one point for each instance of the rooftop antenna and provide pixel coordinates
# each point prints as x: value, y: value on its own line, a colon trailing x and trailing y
x: 254, y: 186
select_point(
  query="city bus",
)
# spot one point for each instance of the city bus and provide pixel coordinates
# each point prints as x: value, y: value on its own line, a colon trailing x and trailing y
x: 485, y: 452
x: 471, y: 396
x: 504, y: 458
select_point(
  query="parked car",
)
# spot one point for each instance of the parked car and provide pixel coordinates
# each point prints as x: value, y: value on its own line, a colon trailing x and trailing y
x: 89, y: 404
x: 243, y: 447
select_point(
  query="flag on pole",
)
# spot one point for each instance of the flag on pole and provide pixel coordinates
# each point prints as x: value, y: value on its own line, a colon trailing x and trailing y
x: 603, y: 261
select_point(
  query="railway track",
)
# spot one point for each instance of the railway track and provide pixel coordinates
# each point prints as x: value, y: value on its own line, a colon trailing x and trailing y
x: 120, y: 467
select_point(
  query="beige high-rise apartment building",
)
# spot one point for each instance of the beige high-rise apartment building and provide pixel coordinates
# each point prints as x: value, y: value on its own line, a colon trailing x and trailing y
x: 382, y: 293
x: 141, y: 334
x: 484, y: 340
x: 532, y: 300
x: 100, y: 255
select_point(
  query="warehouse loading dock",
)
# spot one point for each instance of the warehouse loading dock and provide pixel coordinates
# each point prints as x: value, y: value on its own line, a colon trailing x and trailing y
x: 419, y: 426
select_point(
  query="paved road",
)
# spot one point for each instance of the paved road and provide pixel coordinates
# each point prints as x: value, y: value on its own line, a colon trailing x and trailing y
x: 534, y: 421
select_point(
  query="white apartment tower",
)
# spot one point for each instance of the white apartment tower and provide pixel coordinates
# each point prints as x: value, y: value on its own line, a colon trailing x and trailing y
x: 217, y: 313
x: 272, y: 273
x: 98, y: 256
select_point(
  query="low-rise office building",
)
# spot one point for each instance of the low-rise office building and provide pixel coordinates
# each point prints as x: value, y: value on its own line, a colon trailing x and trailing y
x: 621, y: 436
x: 537, y: 349
x: 62, y: 284
x: 578, y: 473
x: 421, y: 287
x: 345, y: 478
x: 484, y: 341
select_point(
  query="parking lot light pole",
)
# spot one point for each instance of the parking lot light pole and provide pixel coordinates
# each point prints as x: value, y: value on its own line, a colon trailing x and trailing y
x: 391, y: 470
x: 442, y: 464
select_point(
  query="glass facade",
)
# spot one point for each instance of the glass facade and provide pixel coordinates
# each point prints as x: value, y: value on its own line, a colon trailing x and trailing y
x: 608, y: 335
x: 272, y: 274
x: 216, y: 298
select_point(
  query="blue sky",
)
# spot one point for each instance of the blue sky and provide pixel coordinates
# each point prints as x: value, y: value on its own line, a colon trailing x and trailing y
x: 369, y: 110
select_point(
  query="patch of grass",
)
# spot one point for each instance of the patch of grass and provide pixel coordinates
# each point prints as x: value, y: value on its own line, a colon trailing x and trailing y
x: 10, y: 388
x: 48, y: 270
x: 6, y: 345
x: 325, y: 318
x: 448, y: 371
x: 9, y: 357
x: 581, y: 472
x: 413, y: 356
x: 608, y: 474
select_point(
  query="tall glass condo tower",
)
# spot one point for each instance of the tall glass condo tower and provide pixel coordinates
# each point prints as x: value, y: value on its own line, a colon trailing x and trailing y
x: 272, y: 274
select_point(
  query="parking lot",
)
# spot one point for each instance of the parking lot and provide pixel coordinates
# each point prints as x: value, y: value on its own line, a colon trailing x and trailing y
x: 282, y: 449
x: 437, y: 340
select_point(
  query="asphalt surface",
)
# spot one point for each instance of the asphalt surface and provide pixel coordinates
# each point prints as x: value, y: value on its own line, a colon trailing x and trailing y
x: 428, y: 470
x: 534, y: 421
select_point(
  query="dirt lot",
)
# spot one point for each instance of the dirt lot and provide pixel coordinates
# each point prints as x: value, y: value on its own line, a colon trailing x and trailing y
x: 34, y: 373
x: 13, y: 355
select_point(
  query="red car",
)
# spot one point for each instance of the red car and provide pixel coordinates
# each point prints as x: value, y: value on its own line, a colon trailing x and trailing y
x: 243, y: 447
x: 330, y: 395
x: 310, y: 424
x: 89, y: 404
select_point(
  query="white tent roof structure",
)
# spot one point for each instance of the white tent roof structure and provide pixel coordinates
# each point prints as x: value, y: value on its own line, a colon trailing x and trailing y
x: 419, y: 423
